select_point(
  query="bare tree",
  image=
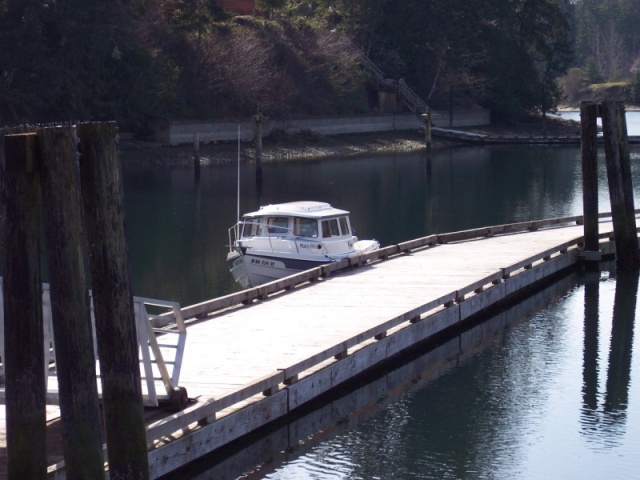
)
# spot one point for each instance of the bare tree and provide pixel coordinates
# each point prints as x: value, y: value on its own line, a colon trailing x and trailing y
x: 609, y: 52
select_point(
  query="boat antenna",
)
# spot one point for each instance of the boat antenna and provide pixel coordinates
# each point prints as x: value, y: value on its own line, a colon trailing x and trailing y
x: 238, y: 203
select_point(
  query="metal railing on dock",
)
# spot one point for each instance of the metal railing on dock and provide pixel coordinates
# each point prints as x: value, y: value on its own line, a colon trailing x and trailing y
x: 161, y: 341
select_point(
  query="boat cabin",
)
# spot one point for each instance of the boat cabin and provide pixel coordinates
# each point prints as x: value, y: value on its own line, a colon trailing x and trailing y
x: 298, y: 219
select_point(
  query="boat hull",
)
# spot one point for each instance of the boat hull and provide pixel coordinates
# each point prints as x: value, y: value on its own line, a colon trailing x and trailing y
x: 251, y: 270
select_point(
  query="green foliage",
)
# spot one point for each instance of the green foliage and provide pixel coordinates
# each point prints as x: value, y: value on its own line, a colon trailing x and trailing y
x: 71, y: 60
x: 142, y: 61
x: 591, y: 73
x: 197, y: 15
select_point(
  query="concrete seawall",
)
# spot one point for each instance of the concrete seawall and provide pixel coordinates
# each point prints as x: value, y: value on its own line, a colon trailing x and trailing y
x: 177, y: 133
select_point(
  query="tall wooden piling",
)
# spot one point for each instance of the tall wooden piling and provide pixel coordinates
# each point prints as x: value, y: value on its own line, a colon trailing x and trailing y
x: 258, y: 120
x: 103, y: 200
x: 426, y: 119
x: 589, y: 134
x: 616, y: 147
x: 75, y: 359
x: 196, y: 154
x: 24, y: 358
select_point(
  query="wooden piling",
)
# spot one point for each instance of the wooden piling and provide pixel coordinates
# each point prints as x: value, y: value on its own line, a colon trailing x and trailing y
x: 75, y: 359
x: 258, y: 120
x: 618, y: 161
x: 103, y: 200
x: 426, y: 119
x: 589, y: 134
x: 24, y: 358
x: 196, y: 154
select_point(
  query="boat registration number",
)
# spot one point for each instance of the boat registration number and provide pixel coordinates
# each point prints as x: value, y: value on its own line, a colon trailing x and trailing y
x: 263, y: 263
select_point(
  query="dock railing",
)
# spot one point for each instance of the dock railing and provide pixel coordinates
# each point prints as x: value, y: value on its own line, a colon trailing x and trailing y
x: 212, y: 409
x: 202, y: 310
x: 161, y: 340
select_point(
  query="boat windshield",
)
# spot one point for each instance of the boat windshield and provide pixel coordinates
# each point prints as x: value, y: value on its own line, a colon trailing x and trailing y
x: 344, y: 225
x: 305, y: 227
x: 278, y: 225
x: 252, y: 227
x: 335, y: 227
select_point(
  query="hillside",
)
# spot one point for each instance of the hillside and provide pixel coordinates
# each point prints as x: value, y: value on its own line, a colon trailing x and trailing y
x: 143, y: 62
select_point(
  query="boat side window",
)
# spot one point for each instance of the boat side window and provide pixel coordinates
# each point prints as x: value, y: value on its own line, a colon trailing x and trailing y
x: 330, y: 228
x: 305, y: 227
x: 279, y: 225
x: 344, y: 226
x: 251, y: 227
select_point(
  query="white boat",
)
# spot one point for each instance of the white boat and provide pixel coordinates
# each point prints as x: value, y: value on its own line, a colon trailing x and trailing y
x: 287, y: 238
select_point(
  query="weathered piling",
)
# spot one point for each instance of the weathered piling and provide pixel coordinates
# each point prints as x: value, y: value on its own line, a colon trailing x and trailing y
x: 66, y: 248
x: 426, y: 119
x: 103, y: 200
x: 589, y: 133
x: 22, y: 285
x: 618, y: 160
x: 258, y: 120
x: 196, y: 154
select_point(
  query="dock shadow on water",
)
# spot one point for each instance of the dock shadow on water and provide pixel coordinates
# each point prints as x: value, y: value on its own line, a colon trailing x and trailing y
x: 266, y: 453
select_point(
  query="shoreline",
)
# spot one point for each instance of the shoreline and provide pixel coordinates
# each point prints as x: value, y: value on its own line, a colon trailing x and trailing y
x: 307, y: 146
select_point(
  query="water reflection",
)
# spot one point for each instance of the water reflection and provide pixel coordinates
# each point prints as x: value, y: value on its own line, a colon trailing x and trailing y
x: 607, y: 420
x: 518, y: 397
x: 178, y: 230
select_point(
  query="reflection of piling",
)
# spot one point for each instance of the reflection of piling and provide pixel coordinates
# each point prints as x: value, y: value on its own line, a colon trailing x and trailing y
x: 619, y: 371
x: 590, y: 348
x: 619, y: 179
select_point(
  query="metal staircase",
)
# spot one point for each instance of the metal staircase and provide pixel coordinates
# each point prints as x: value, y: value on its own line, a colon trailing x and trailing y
x: 411, y: 99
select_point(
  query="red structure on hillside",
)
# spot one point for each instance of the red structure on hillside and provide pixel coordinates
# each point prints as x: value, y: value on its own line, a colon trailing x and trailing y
x: 239, y: 7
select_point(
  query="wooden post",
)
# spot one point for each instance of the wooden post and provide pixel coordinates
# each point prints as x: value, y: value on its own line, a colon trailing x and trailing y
x: 24, y: 358
x: 450, y: 106
x: 196, y: 154
x: 616, y: 149
x: 589, y: 133
x: 258, y: 119
x: 426, y: 119
x: 75, y: 359
x: 103, y: 199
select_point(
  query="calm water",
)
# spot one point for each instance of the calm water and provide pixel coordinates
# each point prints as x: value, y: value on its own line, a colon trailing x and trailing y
x: 177, y: 228
x: 633, y: 120
x: 547, y: 389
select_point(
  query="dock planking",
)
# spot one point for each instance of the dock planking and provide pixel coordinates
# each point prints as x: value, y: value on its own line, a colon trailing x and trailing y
x: 252, y: 363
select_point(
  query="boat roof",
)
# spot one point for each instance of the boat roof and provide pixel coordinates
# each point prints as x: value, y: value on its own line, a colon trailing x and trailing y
x: 306, y: 208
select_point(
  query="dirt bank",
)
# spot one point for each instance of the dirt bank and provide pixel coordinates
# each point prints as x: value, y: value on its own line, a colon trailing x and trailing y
x: 310, y: 146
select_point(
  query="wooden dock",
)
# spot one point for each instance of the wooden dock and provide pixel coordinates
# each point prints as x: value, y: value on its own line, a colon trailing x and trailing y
x: 486, y: 139
x: 254, y: 356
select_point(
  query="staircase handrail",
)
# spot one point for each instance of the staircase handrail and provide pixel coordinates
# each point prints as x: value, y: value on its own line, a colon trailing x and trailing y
x: 413, y: 101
